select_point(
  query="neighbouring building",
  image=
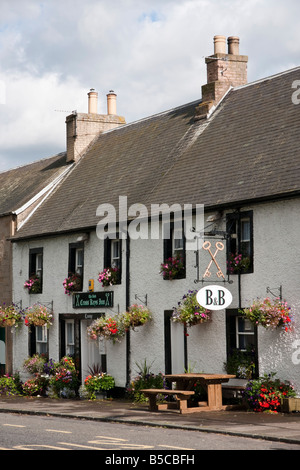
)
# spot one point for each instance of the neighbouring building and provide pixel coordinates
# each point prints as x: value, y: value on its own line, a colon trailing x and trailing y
x: 235, y: 151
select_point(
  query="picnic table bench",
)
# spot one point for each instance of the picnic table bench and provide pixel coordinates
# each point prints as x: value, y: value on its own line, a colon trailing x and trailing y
x: 181, y: 396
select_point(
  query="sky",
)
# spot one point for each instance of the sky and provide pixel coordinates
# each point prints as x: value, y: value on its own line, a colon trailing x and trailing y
x: 151, y: 53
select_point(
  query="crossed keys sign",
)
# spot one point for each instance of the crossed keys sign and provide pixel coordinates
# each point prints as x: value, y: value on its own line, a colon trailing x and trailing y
x: 219, y: 247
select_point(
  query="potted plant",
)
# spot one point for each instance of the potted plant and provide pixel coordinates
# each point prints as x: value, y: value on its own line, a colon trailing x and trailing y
x: 269, y: 313
x: 10, y: 316
x: 38, y: 315
x: 136, y: 315
x: 72, y: 283
x: 238, y: 263
x: 189, y: 312
x: 106, y: 328
x: 33, y: 284
x: 100, y: 382
x: 64, y: 382
x: 266, y: 393
x: 172, y: 268
x: 109, y: 277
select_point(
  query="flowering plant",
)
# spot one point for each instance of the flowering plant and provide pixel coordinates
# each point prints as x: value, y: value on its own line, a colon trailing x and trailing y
x: 35, y: 364
x: 97, y: 382
x: 137, y: 315
x: 237, y: 263
x: 172, y: 268
x: 72, y: 283
x: 65, y: 378
x: 109, y: 276
x: 145, y: 379
x: 33, y: 284
x: 106, y: 328
x: 266, y: 393
x: 10, y: 316
x: 269, y: 313
x: 38, y: 315
x: 189, y: 311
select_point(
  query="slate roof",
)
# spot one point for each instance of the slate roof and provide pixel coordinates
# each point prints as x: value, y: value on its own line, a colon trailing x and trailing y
x: 20, y: 185
x: 248, y: 150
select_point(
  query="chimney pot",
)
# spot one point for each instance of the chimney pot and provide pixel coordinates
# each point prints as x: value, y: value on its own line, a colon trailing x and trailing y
x: 111, y: 102
x: 219, y: 44
x: 233, y: 45
x: 92, y: 101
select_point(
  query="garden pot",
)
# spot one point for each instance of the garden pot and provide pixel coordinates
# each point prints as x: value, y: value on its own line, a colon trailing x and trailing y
x: 290, y: 404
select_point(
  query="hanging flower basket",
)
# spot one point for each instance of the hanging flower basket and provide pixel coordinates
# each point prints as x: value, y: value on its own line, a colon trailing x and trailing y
x: 72, y: 283
x: 189, y: 312
x: 106, y: 328
x: 172, y: 268
x: 136, y: 315
x: 38, y: 315
x: 33, y: 285
x: 269, y: 313
x: 109, y: 277
x: 10, y: 316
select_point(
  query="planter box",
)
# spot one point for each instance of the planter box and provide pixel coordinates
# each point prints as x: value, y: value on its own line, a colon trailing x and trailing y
x: 290, y: 404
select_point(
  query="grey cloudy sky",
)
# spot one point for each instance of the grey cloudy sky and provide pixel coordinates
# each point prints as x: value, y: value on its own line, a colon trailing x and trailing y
x: 150, y: 52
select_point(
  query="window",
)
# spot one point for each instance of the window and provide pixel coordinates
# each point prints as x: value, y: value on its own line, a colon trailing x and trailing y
x: 241, y: 337
x: 240, y: 242
x: 41, y: 335
x: 36, y: 268
x: 76, y: 261
x: 113, y: 255
x: 174, y: 248
x: 70, y: 337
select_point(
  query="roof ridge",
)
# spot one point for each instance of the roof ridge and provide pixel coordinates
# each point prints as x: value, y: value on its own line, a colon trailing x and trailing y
x: 270, y: 77
x: 33, y: 162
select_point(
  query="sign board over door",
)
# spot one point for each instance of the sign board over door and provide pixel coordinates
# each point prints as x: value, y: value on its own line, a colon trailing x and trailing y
x: 93, y: 300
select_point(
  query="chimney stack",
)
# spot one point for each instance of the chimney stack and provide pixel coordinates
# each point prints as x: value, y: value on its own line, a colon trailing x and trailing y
x: 82, y: 128
x: 111, y: 103
x: 220, y: 45
x: 92, y: 101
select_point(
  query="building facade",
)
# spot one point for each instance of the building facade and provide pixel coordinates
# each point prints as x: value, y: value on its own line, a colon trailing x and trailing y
x: 235, y: 154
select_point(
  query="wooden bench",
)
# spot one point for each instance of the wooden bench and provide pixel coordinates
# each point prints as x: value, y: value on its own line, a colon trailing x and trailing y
x: 180, y: 395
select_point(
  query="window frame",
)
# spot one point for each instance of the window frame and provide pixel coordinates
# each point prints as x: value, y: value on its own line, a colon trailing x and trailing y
x: 74, y: 248
x: 169, y: 249
x: 108, y: 261
x: 234, y: 241
x: 232, y: 344
x: 34, y: 255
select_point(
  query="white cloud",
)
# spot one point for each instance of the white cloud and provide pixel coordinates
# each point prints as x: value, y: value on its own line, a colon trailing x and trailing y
x: 150, y: 52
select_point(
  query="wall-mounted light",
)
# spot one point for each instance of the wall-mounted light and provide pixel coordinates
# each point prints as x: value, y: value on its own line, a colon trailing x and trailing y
x: 83, y: 238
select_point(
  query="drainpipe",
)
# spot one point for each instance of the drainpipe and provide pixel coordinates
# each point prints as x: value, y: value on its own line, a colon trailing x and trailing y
x: 128, y: 353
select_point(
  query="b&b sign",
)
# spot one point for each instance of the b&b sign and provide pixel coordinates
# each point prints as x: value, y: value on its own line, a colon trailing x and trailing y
x: 214, y: 297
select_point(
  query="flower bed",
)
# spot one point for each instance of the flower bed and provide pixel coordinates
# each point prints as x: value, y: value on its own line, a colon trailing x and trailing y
x: 189, y: 312
x: 269, y: 314
x: 266, y: 393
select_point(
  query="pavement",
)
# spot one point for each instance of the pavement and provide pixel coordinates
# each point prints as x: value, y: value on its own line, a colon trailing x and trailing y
x: 280, y: 427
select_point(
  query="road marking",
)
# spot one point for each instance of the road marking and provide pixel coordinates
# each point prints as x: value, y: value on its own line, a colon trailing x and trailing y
x: 26, y: 447
x: 174, y: 447
x: 14, y: 425
x: 57, y: 430
x: 84, y: 447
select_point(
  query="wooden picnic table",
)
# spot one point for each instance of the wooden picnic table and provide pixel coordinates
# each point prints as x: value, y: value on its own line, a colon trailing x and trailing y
x: 211, y: 382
